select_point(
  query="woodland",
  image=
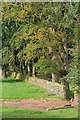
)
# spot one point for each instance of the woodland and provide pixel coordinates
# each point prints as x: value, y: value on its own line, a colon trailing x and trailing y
x: 41, y: 39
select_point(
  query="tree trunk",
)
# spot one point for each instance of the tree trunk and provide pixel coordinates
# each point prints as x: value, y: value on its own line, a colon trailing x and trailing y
x: 33, y: 72
x: 65, y: 88
x: 65, y: 71
x: 1, y: 76
x: 5, y: 73
x: 64, y: 92
x: 65, y: 56
x: 28, y: 68
x: 54, y: 77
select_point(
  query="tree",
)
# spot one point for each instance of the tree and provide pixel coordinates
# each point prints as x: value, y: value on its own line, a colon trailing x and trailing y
x: 38, y: 38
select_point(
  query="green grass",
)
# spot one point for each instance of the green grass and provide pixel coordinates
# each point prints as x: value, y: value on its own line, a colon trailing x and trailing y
x: 12, y: 112
x: 14, y: 89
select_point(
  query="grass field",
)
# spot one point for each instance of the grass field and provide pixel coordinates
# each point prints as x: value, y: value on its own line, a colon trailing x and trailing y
x: 12, y: 89
x: 12, y: 112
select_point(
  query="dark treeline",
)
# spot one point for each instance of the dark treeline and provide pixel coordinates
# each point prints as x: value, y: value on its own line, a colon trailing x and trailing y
x: 41, y: 39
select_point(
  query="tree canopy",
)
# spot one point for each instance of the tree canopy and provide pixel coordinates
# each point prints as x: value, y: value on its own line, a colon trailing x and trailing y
x: 41, y: 39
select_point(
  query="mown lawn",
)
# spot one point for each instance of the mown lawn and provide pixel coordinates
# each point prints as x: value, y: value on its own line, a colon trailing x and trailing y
x: 13, y: 89
x: 12, y: 112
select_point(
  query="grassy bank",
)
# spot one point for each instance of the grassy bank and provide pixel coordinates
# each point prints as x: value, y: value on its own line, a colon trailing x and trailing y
x: 15, y: 89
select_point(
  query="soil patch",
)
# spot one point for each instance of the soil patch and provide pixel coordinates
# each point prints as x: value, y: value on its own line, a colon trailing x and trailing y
x: 37, y: 104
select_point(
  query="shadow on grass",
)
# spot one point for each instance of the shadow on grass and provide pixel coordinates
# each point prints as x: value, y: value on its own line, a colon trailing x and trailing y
x: 10, y: 80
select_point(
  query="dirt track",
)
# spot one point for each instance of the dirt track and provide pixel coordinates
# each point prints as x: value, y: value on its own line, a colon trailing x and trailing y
x: 37, y: 104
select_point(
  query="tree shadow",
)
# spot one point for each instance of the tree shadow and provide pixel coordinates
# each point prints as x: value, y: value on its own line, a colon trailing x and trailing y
x: 10, y: 80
